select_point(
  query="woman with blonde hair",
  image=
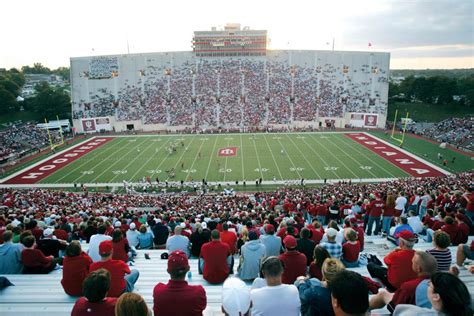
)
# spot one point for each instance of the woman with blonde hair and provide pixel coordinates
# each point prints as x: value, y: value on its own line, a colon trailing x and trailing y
x: 131, y: 304
x: 315, y: 295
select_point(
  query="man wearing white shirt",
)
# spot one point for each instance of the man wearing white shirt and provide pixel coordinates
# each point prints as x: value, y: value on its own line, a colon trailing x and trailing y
x: 263, y: 299
x: 415, y: 222
x: 400, y: 203
x: 95, y: 242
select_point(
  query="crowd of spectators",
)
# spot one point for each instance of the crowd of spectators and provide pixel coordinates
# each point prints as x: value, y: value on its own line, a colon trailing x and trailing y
x: 457, y: 132
x: 292, y: 243
x: 20, y: 140
x: 242, y: 93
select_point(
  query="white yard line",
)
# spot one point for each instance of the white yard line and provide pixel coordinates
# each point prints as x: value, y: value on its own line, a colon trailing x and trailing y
x: 350, y: 156
x: 409, y: 154
x: 289, y: 157
x: 375, y: 163
x: 242, y: 156
x: 258, y: 157
x: 182, y: 155
x: 304, y: 156
x: 339, y: 160
x: 226, y: 157
x: 80, y: 165
x: 46, y: 159
x: 210, y: 158
x: 317, y: 154
x: 195, y: 158
x: 119, y: 160
x: 148, y: 160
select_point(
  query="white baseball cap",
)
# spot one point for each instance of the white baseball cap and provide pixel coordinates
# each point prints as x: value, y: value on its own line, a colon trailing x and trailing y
x: 235, y: 297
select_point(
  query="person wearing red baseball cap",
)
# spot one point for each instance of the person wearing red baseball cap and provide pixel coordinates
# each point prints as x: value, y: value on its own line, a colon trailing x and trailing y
x: 122, y: 278
x: 293, y: 261
x: 399, y: 263
x: 178, y: 297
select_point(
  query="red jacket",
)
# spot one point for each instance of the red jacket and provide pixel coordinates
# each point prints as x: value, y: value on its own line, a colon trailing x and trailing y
x: 178, y: 298
x: 400, y: 266
x: 75, y: 270
x: 295, y: 266
x: 117, y: 269
x: 215, y: 254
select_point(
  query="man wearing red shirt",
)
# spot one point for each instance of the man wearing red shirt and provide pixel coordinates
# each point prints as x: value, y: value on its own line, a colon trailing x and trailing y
x: 76, y: 265
x: 293, y: 261
x: 322, y: 212
x: 122, y: 278
x: 463, y: 231
x: 216, y: 259
x: 177, y: 297
x: 34, y: 261
x: 424, y: 264
x: 95, y: 302
x: 229, y: 238
x: 374, y: 210
x: 398, y: 263
x: 450, y: 228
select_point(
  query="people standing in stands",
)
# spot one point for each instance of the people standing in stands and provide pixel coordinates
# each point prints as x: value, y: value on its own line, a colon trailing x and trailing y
x: 251, y: 255
x: 177, y: 297
x: 10, y: 255
x: 216, y: 261
x: 50, y: 245
x: 294, y: 262
x: 441, y: 251
x: 271, y: 242
x: 349, y: 294
x: 315, y: 295
x: 34, y: 261
x: 374, y: 210
x: 76, y: 265
x: 95, y: 301
x: 456, y: 301
x: 95, y: 241
x: 131, y: 304
x: 387, y: 214
x: 424, y: 265
x: 122, y: 278
x: 399, y: 263
x: 263, y: 299
x: 178, y: 241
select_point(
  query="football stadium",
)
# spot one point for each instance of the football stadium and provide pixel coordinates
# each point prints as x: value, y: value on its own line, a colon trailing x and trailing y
x: 235, y: 179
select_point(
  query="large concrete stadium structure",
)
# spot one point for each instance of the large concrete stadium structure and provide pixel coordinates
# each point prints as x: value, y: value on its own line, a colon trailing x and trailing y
x: 179, y: 90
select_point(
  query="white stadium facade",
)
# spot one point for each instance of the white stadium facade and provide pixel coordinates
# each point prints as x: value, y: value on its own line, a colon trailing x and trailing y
x: 234, y: 84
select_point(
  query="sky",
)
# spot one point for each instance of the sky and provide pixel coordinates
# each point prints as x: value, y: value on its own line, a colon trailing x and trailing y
x: 419, y: 34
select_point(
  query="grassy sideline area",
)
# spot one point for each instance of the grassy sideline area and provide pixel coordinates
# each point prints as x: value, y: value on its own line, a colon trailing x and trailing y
x: 430, y: 113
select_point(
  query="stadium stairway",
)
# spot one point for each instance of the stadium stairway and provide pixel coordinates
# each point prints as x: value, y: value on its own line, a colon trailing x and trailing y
x: 43, y: 294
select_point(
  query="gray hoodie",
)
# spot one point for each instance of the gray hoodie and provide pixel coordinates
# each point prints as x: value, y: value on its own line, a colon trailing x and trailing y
x: 10, y: 258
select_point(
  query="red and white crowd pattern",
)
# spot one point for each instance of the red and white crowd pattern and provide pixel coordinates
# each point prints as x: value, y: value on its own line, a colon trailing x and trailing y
x: 42, y: 170
x: 405, y: 161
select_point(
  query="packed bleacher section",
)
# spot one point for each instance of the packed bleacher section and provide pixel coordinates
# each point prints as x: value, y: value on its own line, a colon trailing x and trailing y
x: 20, y: 140
x: 319, y: 233
x: 237, y: 92
x: 457, y: 132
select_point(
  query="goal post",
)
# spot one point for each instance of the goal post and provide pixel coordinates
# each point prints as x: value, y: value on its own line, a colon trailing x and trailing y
x: 401, y: 139
x: 50, y: 138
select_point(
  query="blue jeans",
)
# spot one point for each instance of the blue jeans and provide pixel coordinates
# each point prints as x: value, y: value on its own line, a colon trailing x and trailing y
x: 471, y: 216
x: 422, y: 212
x: 321, y: 219
x: 373, y: 219
x: 348, y: 264
x: 131, y: 279
x: 429, y: 235
x: 387, y: 220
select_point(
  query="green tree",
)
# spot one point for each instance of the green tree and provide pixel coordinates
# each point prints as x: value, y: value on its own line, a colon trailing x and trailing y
x: 50, y: 102
x: 64, y: 72
x: 37, y: 68
x: 7, y: 101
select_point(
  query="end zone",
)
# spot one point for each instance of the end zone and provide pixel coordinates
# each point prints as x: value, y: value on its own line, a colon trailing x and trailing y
x: 411, y: 164
x: 48, y: 166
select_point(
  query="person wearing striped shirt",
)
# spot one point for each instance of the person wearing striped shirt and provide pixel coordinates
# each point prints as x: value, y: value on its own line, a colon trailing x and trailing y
x: 441, y: 241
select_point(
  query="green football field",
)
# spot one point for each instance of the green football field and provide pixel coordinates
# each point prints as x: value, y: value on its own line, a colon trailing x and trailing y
x: 229, y: 157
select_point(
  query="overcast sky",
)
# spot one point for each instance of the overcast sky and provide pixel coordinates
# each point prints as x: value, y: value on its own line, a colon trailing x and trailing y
x: 418, y: 33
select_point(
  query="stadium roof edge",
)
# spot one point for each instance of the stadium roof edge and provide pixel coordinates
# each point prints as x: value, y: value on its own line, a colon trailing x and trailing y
x: 268, y: 50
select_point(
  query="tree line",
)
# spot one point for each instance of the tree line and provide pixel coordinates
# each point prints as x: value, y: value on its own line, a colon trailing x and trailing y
x: 48, y: 101
x: 440, y: 90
